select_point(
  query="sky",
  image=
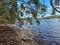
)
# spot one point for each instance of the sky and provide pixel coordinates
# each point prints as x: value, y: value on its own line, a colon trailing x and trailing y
x: 49, y: 8
x: 47, y: 3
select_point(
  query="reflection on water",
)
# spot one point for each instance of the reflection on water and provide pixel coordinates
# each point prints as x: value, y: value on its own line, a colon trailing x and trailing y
x: 50, y: 29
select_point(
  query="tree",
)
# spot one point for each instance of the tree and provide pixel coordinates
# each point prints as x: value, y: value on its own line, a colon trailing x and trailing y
x: 10, y: 10
x: 57, y: 2
x: 53, y: 4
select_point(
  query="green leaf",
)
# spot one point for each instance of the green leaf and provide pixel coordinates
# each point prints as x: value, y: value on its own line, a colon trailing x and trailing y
x: 38, y: 21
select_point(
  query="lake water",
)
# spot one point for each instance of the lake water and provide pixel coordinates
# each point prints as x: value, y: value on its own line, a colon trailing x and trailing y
x: 49, y: 28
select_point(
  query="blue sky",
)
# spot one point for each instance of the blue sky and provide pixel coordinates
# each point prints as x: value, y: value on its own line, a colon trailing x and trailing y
x: 47, y: 3
x: 49, y: 8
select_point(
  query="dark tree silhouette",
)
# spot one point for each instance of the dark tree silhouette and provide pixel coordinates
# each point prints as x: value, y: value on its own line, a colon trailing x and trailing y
x: 12, y: 10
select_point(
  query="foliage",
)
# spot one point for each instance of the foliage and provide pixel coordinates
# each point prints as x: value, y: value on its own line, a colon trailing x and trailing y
x: 10, y: 10
x: 53, y: 4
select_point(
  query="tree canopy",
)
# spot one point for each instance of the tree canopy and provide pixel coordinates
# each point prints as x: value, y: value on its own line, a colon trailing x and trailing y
x: 53, y: 4
x: 12, y: 10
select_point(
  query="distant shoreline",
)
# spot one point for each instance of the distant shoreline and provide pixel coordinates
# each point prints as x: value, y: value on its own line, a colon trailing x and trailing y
x: 52, y: 17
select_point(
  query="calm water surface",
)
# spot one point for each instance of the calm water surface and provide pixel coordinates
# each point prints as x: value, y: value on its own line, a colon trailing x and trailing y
x: 50, y: 29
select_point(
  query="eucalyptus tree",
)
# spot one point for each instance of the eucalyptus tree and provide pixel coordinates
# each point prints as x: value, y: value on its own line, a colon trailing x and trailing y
x: 12, y: 10
x: 8, y: 11
x: 55, y: 4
